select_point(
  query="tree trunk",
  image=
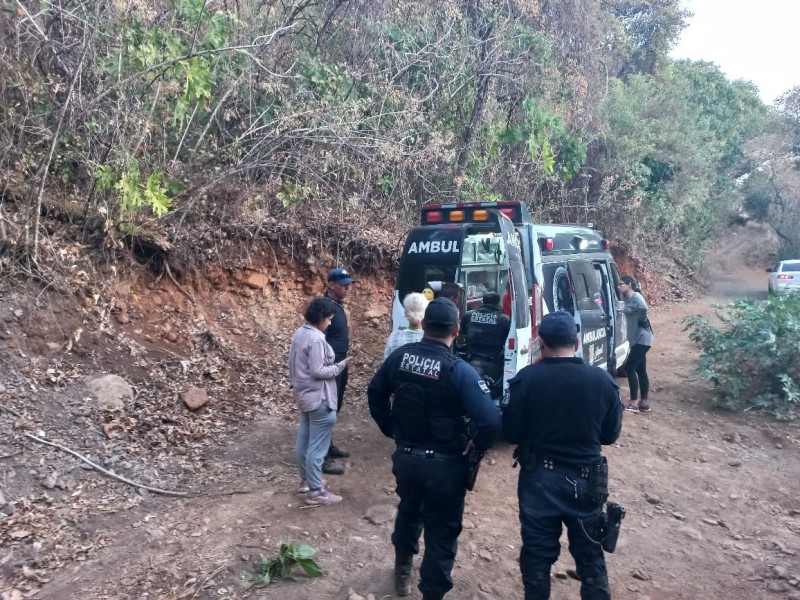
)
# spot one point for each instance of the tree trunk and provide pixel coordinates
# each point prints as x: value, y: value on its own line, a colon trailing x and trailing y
x: 484, y: 31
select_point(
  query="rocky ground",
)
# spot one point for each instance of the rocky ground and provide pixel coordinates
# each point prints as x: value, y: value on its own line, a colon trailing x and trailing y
x: 203, y: 413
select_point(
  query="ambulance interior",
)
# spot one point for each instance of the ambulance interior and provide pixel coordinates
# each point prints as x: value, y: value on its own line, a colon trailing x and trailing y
x: 482, y: 267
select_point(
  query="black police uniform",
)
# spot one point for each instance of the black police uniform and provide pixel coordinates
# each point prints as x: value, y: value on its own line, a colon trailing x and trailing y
x: 485, y: 331
x: 432, y: 392
x: 560, y: 412
x: 338, y: 336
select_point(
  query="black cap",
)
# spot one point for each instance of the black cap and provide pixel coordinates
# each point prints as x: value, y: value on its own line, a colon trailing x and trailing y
x: 558, y: 324
x: 442, y: 312
x: 491, y: 299
x: 340, y: 276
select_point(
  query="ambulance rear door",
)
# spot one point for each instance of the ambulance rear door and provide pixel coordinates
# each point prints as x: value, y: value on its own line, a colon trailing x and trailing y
x: 587, y: 286
x: 518, y: 345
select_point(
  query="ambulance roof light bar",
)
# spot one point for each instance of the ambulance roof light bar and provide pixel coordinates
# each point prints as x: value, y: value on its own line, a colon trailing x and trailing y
x: 470, y: 212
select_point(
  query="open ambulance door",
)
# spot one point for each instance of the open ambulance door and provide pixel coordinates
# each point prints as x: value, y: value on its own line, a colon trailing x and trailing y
x: 590, y: 311
x: 518, y: 345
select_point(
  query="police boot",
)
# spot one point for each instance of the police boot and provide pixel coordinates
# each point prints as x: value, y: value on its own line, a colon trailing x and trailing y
x: 402, y: 573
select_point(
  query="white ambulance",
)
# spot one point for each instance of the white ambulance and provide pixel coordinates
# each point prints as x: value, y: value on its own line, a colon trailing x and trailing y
x: 495, y: 247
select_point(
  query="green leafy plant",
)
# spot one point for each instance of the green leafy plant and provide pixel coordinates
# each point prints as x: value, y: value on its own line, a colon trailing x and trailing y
x: 559, y: 152
x: 292, y: 194
x: 753, y: 359
x: 135, y: 193
x: 283, y: 566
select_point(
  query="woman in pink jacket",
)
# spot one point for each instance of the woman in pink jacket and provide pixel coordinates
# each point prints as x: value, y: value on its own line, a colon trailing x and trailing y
x: 312, y: 372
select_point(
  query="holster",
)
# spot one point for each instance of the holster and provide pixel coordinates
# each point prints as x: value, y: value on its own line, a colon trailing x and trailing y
x: 611, y: 525
x: 473, y: 464
x: 525, y: 457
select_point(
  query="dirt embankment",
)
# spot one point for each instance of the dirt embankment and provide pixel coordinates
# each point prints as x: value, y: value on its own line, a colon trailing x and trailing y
x: 711, y: 497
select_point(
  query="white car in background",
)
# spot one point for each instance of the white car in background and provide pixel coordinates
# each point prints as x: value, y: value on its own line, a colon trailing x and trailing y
x: 785, y: 277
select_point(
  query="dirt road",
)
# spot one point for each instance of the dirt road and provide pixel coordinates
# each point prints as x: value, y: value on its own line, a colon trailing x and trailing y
x: 711, y: 498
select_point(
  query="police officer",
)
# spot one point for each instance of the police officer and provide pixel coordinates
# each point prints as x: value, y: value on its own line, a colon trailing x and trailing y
x: 433, y: 391
x: 485, y: 331
x: 338, y: 336
x: 559, y: 413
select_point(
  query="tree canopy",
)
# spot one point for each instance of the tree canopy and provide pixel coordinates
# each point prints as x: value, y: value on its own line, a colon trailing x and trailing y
x: 185, y: 111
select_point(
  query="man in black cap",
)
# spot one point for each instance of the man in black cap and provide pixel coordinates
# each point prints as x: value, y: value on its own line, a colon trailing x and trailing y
x: 338, y: 336
x: 420, y: 397
x: 560, y: 412
x: 484, y: 331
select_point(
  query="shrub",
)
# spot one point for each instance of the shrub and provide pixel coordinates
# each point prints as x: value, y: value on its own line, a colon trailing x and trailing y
x: 753, y: 358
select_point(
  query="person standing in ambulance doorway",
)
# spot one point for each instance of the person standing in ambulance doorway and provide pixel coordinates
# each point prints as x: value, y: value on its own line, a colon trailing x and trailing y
x: 484, y: 332
x: 560, y: 412
x: 338, y: 336
x: 421, y: 397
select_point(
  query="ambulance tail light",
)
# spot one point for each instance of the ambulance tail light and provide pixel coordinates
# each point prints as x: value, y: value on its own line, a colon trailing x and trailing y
x: 512, y: 343
x: 433, y: 216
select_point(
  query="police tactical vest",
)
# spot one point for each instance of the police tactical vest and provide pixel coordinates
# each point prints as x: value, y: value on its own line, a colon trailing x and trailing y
x: 425, y: 412
x: 487, y: 331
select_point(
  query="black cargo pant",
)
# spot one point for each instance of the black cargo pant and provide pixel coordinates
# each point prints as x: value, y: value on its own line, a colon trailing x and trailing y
x: 431, y: 492
x: 546, y: 500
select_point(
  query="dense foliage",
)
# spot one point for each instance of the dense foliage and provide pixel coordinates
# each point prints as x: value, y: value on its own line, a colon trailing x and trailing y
x: 177, y: 111
x: 753, y: 356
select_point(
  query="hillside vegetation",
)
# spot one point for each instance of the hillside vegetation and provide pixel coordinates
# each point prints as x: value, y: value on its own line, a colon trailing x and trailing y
x: 195, y: 121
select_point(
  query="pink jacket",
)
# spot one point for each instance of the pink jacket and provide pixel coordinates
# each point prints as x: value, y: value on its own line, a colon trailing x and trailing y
x: 312, y: 369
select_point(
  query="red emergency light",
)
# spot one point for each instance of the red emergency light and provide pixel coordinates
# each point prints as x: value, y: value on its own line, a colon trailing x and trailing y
x: 433, y: 216
x: 547, y: 243
x: 606, y: 244
x: 785, y: 277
